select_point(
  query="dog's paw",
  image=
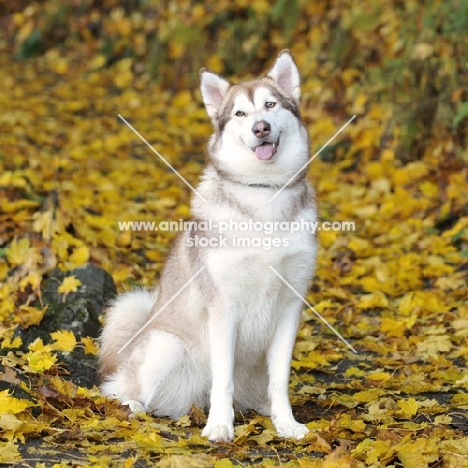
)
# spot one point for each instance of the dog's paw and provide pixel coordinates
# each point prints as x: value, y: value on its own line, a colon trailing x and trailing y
x: 264, y: 410
x: 219, y: 433
x: 291, y: 430
x: 135, y: 407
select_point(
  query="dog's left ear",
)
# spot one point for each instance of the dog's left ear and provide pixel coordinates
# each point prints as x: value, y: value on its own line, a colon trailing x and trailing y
x: 213, y: 89
x: 285, y: 73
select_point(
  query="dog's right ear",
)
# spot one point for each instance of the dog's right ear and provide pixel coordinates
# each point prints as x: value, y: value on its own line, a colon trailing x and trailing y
x: 213, y: 89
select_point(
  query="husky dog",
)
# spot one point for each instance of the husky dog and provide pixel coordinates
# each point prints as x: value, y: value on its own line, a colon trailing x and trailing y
x: 221, y: 326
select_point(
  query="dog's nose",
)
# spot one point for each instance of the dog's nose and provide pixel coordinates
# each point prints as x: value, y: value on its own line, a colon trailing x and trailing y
x: 261, y: 129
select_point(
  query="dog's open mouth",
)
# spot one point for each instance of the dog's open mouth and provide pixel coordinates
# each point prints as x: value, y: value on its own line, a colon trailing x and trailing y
x: 266, y: 150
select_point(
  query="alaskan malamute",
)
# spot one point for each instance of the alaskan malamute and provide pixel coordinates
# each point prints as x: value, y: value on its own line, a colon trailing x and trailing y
x: 221, y: 325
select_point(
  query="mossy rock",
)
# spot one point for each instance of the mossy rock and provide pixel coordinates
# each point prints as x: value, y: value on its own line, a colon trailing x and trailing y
x: 78, y: 312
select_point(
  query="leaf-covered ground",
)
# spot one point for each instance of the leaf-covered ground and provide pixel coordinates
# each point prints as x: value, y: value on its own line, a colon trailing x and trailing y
x: 396, y: 287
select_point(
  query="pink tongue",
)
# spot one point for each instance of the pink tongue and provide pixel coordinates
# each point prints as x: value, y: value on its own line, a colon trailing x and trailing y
x: 265, y: 151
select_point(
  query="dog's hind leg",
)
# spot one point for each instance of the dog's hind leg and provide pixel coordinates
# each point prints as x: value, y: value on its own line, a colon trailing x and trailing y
x: 251, y: 388
x: 159, y: 376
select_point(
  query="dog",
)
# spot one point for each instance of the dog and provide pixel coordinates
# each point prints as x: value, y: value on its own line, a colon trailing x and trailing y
x: 219, y: 330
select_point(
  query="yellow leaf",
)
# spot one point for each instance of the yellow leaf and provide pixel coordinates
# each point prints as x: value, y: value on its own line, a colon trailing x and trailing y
x: 64, y: 340
x: 215, y: 63
x: 60, y: 66
x: 9, y: 452
x: 416, y: 170
x: 38, y: 345
x: 378, y: 376
x: 392, y: 327
x: 354, y: 371
x: 323, y: 129
x: 260, y: 6
x: 418, y: 453
x: 69, y: 284
x: 375, y: 299
x: 199, y: 460
x: 66, y: 387
x: 90, y: 346
x: 40, y: 361
x: 358, y: 244
x: 3, y: 270
x: 224, y: 463
x: 371, y: 284
x: 461, y: 224
x: 355, y: 425
x: 367, y: 396
x: 176, y: 49
x: 366, y: 212
x: 183, y: 99
x: 18, y: 251
x: 30, y: 315
x: 375, y: 170
x: 45, y: 223
x: 33, y: 279
x: 408, y: 408
x: 8, y: 343
x: 338, y: 459
x: 443, y: 419
x: 433, y: 345
x: 184, y: 421
x: 327, y: 238
x: 11, y: 405
x: 373, y: 451
x: 368, y: 137
x: 422, y: 50
x: 9, y: 422
x: 80, y: 256
x: 151, y: 441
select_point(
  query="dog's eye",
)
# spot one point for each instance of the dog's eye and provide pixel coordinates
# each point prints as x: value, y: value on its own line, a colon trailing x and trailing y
x: 270, y: 105
x: 240, y: 114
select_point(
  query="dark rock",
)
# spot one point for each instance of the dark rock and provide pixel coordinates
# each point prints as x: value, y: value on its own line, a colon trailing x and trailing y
x: 81, y: 367
x: 78, y: 312
x: 97, y: 286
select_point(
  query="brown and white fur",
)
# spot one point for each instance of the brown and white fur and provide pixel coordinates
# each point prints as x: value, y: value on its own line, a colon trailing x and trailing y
x: 227, y: 339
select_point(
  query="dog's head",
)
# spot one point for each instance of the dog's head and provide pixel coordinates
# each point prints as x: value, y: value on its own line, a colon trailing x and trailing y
x: 260, y: 136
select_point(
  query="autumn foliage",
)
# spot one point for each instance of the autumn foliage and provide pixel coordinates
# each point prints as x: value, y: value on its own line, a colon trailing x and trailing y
x: 396, y: 287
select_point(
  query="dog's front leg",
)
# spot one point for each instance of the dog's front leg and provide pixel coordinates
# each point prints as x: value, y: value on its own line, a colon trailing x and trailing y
x: 279, y: 369
x: 219, y: 427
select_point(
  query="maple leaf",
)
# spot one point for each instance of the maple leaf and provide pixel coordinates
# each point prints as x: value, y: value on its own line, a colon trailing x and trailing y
x: 64, y: 340
x: 11, y: 404
x: 68, y: 285
x: 433, y: 345
x: 9, y: 452
x: 418, y: 453
x: 408, y: 408
x: 90, y: 346
x: 18, y: 251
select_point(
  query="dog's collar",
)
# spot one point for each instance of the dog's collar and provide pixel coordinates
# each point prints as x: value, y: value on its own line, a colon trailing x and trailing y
x: 276, y: 187
x: 259, y: 185
x: 225, y: 176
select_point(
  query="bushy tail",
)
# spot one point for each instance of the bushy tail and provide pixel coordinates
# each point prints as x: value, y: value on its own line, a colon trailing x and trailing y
x: 124, y: 317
